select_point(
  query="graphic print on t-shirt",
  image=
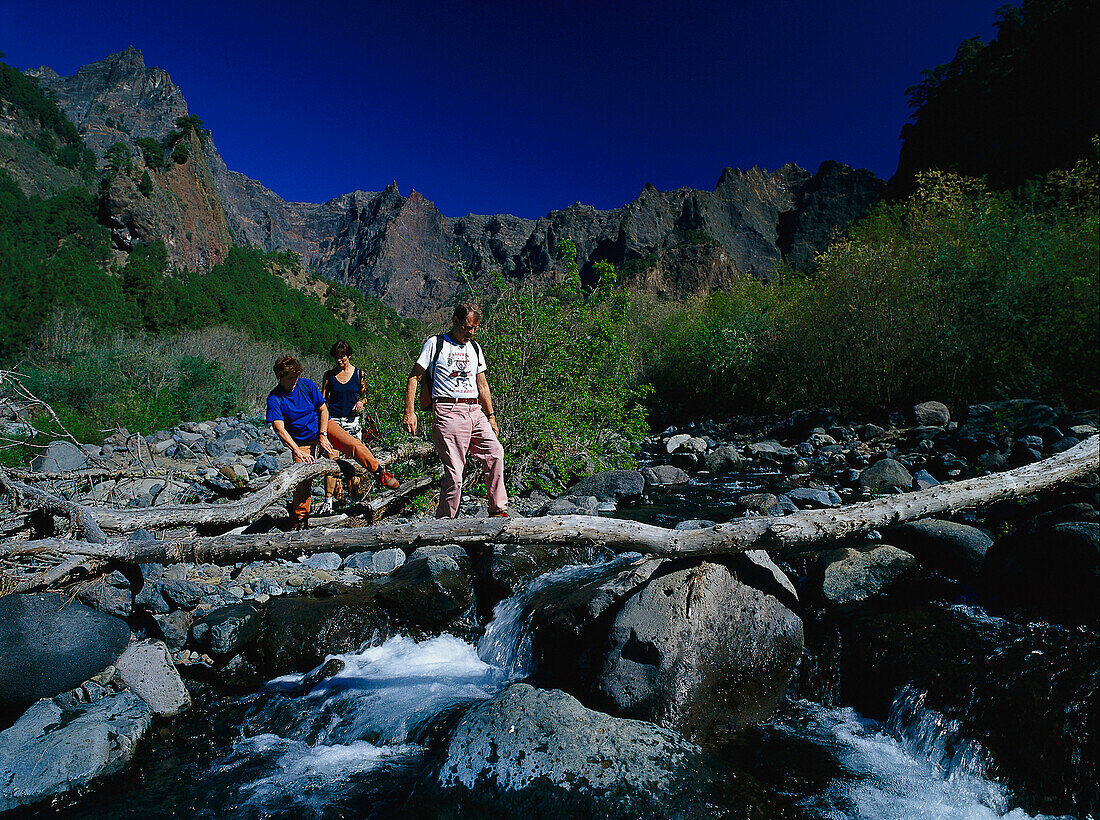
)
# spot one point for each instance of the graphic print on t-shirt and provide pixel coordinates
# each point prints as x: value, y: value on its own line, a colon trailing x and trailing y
x: 459, y: 362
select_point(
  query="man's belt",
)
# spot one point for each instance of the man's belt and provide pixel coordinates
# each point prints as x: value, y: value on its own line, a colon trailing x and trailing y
x: 452, y: 400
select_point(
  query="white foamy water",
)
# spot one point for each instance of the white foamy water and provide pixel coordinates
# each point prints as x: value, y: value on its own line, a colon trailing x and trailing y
x: 304, y: 747
x: 928, y: 772
x: 506, y: 642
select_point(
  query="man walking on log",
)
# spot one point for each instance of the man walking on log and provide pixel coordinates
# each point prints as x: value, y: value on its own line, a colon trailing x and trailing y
x: 463, y: 421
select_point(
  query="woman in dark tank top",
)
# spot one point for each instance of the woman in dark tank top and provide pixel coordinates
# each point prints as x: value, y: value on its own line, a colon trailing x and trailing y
x: 343, y: 389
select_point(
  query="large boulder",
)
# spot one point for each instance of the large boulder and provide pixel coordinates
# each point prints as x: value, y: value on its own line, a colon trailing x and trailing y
x: 613, y: 485
x: 430, y: 593
x: 49, y: 644
x: 664, y: 476
x: 536, y: 753
x: 1053, y: 572
x: 956, y: 550
x: 850, y: 576
x: 721, y: 460
x: 704, y: 647
x: 50, y: 750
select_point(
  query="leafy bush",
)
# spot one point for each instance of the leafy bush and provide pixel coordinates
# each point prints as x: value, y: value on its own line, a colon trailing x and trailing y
x: 563, y: 375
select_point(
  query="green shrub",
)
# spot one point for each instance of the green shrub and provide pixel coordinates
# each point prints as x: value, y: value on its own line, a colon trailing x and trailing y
x: 563, y: 374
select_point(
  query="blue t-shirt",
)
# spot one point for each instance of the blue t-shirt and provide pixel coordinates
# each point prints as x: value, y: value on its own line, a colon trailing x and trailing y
x: 298, y: 409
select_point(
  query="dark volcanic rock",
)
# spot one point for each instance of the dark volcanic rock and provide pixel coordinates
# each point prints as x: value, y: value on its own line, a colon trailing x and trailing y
x: 1053, y: 572
x: 49, y: 644
x: 704, y: 648
x: 956, y: 550
x: 539, y: 753
x: 613, y: 485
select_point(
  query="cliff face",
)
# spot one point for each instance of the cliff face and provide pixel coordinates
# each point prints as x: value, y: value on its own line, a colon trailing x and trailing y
x: 120, y: 100
x: 404, y: 251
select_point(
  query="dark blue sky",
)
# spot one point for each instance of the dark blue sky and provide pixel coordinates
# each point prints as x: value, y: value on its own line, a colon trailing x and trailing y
x: 520, y: 107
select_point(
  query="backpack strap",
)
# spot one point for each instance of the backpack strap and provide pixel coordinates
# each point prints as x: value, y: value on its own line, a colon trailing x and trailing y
x: 435, y: 359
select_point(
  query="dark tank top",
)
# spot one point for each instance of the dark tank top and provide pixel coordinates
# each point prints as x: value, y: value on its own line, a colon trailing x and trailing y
x: 342, y: 397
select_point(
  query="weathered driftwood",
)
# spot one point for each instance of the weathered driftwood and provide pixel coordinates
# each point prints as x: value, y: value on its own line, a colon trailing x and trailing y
x: 124, y: 520
x: 80, y: 516
x: 780, y: 535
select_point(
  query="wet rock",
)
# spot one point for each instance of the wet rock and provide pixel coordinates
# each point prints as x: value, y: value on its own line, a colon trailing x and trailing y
x: 956, y: 550
x: 695, y: 524
x: 758, y: 502
x: 536, y: 753
x: 885, y: 476
x: 147, y: 670
x: 49, y: 644
x: 50, y: 751
x: 664, y: 476
x: 299, y: 633
x: 771, y: 452
x: 721, y: 460
x: 431, y: 592
x: 181, y: 594
x: 501, y: 571
x: 359, y: 560
x: 1053, y: 572
x: 850, y: 576
x: 704, y: 647
x: 226, y: 631
x: 923, y: 480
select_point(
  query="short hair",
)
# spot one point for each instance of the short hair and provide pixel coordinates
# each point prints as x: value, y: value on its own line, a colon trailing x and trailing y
x: 287, y: 366
x: 340, y: 348
x: 464, y: 309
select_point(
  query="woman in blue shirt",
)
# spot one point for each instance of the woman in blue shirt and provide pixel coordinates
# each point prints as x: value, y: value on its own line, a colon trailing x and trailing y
x: 299, y: 415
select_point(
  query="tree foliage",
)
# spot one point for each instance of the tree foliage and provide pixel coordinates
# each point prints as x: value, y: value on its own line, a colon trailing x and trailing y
x: 1015, y: 108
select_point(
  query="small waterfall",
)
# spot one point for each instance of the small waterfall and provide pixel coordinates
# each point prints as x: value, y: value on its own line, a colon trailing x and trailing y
x: 932, y: 735
x: 506, y: 642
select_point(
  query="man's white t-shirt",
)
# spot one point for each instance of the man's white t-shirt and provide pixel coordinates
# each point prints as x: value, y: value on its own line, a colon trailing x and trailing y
x: 456, y: 368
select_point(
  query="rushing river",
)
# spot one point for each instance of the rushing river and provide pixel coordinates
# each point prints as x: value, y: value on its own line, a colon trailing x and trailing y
x: 358, y: 744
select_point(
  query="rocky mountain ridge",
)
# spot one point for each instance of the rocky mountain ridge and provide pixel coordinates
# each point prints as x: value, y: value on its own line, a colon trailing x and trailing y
x: 403, y: 250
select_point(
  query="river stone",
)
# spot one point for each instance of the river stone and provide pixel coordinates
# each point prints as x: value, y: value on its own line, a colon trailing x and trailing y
x: 851, y: 576
x: 50, y: 751
x: 758, y: 502
x: 663, y: 476
x: 612, y: 485
x: 811, y: 497
x: 571, y: 505
x: 956, y: 550
x: 430, y: 592
x: 175, y: 626
x: 1053, y: 572
x: 674, y: 442
x: 770, y: 451
x: 884, y: 476
x: 359, y: 560
x: 59, y: 457
x: 226, y: 631
x: 49, y: 644
x: 146, y: 668
x: 387, y: 560
x: 109, y: 594
x: 539, y: 753
x: 722, y: 460
x: 930, y: 413
x: 704, y: 647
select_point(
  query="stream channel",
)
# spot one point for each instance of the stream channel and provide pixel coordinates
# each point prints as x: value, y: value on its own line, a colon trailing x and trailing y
x: 363, y: 743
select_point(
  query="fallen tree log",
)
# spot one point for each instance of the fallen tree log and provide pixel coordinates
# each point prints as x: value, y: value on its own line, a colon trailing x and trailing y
x: 784, y: 535
x: 125, y: 520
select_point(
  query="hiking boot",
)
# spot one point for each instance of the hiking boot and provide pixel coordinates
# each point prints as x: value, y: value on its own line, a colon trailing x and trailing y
x: 326, y: 508
x: 385, y: 479
x: 500, y: 514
